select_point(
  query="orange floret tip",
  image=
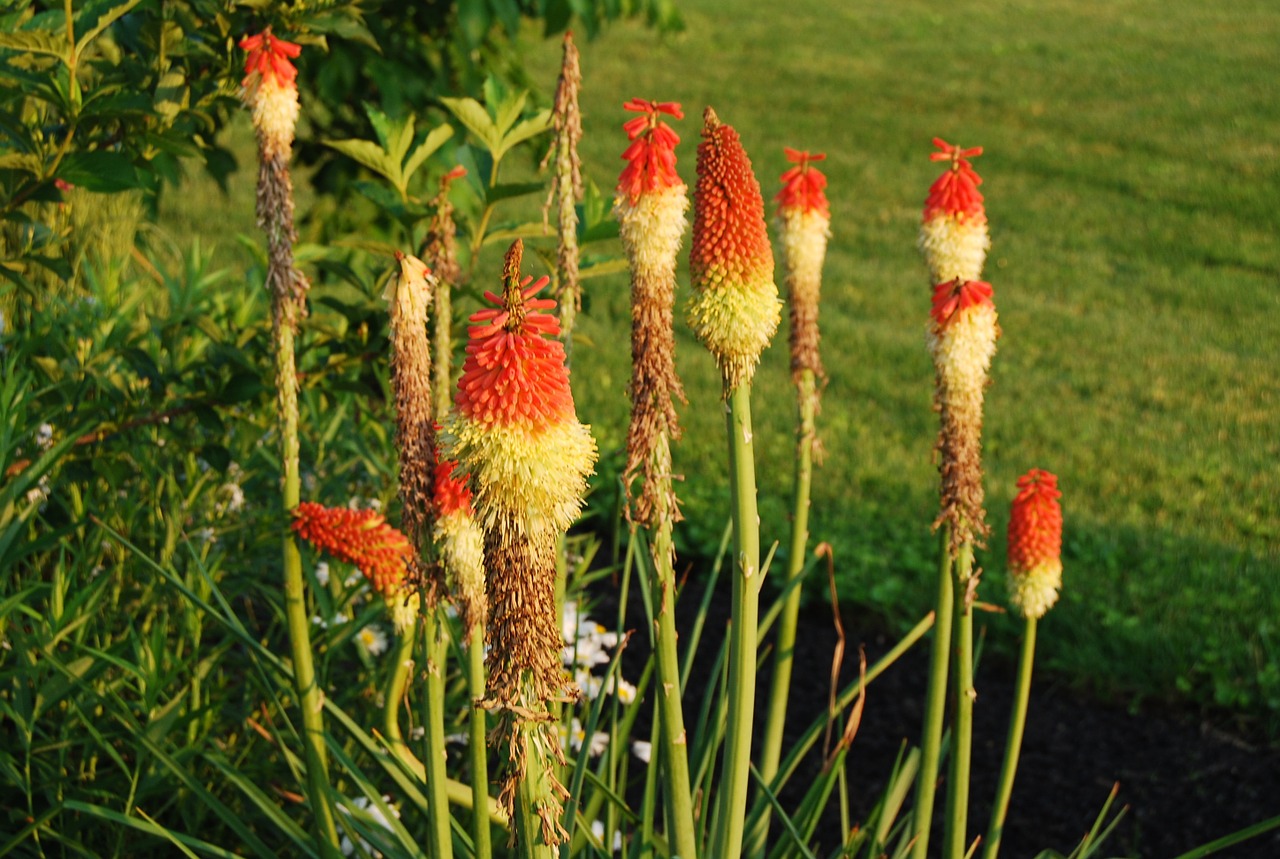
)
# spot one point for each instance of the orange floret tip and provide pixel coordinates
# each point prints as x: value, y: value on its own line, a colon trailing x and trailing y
x: 452, y: 494
x: 269, y: 57
x: 954, y: 297
x: 515, y: 372
x: 651, y: 157
x: 361, y: 538
x: 730, y: 243
x: 955, y: 192
x: 804, y: 186
x: 1035, y: 522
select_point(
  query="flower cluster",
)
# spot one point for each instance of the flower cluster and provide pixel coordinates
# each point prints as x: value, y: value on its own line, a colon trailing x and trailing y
x: 953, y: 233
x: 735, y: 308
x: 270, y: 89
x: 650, y: 206
x: 1035, y: 544
x: 804, y: 224
x: 363, y: 539
x: 461, y: 544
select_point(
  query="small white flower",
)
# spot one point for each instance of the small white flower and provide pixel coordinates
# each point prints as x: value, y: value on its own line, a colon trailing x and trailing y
x: 590, y: 686
x: 317, y: 620
x: 44, y: 436
x: 625, y: 691
x: 231, y: 497
x: 373, y: 639
x: 206, y: 536
x: 597, y: 829
x: 417, y: 732
x: 363, y: 804
x: 375, y: 504
x: 322, y: 573
x: 577, y: 737
x: 642, y: 749
x: 460, y: 738
x: 339, y: 619
x: 352, y: 580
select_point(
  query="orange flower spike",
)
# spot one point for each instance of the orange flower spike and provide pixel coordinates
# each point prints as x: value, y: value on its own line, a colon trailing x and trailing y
x: 735, y: 307
x: 953, y: 232
x: 651, y: 157
x: 361, y: 538
x: 452, y: 495
x: 1035, y: 543
x: 269, y: 57
x: 950, y: 299
x: 804, y: 186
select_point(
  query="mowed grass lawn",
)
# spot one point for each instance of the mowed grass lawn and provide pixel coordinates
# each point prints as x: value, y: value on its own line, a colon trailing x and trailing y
x: 1132, y: 169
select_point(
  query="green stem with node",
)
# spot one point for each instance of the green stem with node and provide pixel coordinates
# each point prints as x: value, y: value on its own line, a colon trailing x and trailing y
x: 310, y: 696
x: 735, y: 772
x: 478, y: 747
x: 955, y: 836
x: 784, y: 653
x: 673, y: 737
x: 1013, y: 741
x: 935, y: 701
x: 435, y: 646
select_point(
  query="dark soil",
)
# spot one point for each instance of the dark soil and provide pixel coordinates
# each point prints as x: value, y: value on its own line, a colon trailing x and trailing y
x: 1183, y: 780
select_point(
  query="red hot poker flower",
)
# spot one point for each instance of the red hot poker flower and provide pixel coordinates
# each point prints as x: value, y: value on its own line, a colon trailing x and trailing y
x: 955, y: 192
x: 651, y: 157
x: 1035, y: 544
x: 515, y: 371
x: 361, y: 538
x: 452, y: 494
x: 270, y: 57
x: 952, y: 297
x: 803, y: 186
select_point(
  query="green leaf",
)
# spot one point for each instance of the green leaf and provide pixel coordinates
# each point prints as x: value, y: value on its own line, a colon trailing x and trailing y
x: 383, y: 125
x: 510, y: 232
x: 101, y: 172
x: 507, y: 111
x: 368, y: 153
x: 102, y: 21
x: 473, y: 115
x: 35, y: 42
x: 401, y: 140
x: 434, y: 140
x: 21, y: 161
x: 172, y: 94
x: 531, y: 127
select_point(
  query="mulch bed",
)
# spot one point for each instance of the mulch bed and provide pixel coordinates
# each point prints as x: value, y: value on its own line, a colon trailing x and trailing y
x: 1185, y: 781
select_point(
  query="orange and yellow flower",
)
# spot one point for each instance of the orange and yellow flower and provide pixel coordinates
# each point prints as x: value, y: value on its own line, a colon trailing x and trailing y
x: 650, y: 207
x: 1035, y: 544
x: 461, y: 544
x: 804, y: 224
x: 363, y: 539
x: 735, y: 307
x: 953, y: 233
x: 270, y: 89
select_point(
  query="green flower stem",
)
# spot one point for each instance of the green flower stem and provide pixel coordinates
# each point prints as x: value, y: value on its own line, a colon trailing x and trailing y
x: 534, y: 791
x: 310, y: 697
x: 439, y: 838
x: 674, y: 738
x: 935, y: 702
x: 478, y: 748
x: 397, y: 685
x: 784, y: 653
x: 956, y: 832
x: 735, y: 774
x: 1013, y: 741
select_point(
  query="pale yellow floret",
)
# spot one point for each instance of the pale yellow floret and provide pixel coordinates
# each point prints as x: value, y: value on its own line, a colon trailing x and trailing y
x: 522, y: 479
x: 962, y: 354
x: 954, y: 247
x: 462, y: 549
x: 804, y: 246
x: 275, y: 112
x: 404, y: 609
x: 736, y: 322
x: 651, y: 229
x: 1033, y: 593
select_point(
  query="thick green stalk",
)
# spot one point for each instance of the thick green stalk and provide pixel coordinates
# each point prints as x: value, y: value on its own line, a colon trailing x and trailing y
x: 397, y: 684
x: 310, y: 697
x: 674, y: 738
x: 535, y: 790
x: 956, y: 831
x: 439, y: 839
x: 784, y: 652
x: 478, y: 747
x: 735, y: 771
x: 935, y: 702
x: 1013, y: 741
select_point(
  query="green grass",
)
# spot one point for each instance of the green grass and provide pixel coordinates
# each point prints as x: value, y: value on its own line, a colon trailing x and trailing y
x: 1130, y: 149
